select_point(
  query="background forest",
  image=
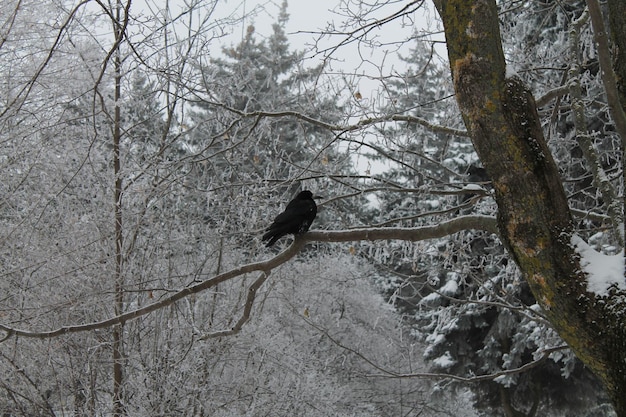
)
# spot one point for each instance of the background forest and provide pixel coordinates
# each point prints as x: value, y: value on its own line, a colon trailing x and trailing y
x: 141, y: 157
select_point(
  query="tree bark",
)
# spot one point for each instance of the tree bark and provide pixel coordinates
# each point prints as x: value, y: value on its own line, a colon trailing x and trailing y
x: 118, y: 330
x: 617, y: 25
x: 533, y: 215
x: 609, y: 77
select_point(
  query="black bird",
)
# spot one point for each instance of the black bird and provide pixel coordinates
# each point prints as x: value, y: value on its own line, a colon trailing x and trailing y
x: 477, y: 174
x: 296, y: 219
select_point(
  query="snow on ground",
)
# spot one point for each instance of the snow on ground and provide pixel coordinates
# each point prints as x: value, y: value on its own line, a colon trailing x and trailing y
x: 603, y: 271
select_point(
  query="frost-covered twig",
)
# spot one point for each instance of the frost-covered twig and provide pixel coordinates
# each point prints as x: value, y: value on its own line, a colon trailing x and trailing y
x: 264, y: 266
x: 343, y: 128
x: 609, y: 79
x: 552, y: 94
x: 252, y: 291
x: 600, y: 178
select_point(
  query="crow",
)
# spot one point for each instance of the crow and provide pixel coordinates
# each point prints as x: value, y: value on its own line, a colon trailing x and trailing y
x: 296, y: 219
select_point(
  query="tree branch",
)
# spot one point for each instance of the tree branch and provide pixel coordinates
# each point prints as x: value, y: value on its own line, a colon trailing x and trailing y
x: 459, y: 224
x: 613, y: 204
x: 552, y: 94
x: 411, y: 234
x: 343, y: 128
x: 545, y: 354
x: 252, y: 291
x: 609, y: 79
x: 386, y: 373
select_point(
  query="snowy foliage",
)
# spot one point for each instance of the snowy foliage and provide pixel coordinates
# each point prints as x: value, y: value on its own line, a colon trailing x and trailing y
x: 465, y: 296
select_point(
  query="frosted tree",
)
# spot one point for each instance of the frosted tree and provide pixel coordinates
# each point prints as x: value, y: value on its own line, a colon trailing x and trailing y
x: 147, y: 259
x: 522, y: 166
x: 249, y: 139
x: 500, y: 327
x: 486, y: 118
x: 107, y: 204
x: 469, y: 304
x: 86, y: 147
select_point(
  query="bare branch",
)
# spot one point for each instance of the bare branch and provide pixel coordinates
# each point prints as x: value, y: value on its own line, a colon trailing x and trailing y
x: 545, y: 354
x: 609, y: 79
x: 459, y: 224
x: 552, y: 94
x: 344, y: 128
x: 27, y: 88
x: 252, y: 291
x: 361, y: 31
x: 412, y: 119
x: 411, y: 234
x: 386, y: 373
x: 612, y: 202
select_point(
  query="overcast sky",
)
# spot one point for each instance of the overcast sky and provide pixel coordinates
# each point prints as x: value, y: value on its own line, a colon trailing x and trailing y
x: 308, y: 18
x: 359, y: 64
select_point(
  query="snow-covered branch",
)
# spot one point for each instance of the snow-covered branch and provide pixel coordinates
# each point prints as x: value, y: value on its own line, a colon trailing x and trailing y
x: 609, y: 79
x: 387, y: 373
x: 545, y: 354
x: 412, y: 234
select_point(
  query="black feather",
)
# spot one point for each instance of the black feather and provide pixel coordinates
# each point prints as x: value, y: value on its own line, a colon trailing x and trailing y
x: 296, y: 219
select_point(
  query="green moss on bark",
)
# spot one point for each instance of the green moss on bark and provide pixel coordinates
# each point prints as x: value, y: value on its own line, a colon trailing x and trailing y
x: 533, y: 214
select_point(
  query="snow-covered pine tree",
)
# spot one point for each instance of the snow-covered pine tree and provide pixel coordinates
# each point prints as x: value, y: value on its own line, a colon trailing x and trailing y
x: 466, y: 298
x: 250, y: 149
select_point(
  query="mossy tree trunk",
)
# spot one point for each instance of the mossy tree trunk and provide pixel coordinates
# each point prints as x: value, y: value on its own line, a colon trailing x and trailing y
x: 533, y: 215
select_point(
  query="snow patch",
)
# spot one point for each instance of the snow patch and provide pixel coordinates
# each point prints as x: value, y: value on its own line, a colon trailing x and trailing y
x: 433, y: 296
x: 445, y: 361
x: 432, y: 204
x: 511, y: 71
x: 603, y: 271
x: 450, y: 288
x: 473, y: 187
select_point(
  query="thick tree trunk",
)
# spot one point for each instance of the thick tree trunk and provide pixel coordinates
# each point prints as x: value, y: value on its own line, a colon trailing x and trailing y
x: 533, y: 215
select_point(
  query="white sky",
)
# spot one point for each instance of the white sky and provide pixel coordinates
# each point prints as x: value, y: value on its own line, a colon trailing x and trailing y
x: 361, y: 67
x: 307, y: 18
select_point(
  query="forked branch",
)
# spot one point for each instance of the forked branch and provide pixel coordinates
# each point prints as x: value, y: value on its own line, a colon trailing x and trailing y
x: 459, y: 224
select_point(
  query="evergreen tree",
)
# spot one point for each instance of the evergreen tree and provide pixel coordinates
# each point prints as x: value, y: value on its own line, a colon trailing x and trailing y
x: 467, y: 300
x: 251, y: 166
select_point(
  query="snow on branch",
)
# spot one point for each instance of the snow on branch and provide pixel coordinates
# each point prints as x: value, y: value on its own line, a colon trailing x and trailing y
x: 603, y: 272
x: 412, y: 234
x: 544, y: 354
